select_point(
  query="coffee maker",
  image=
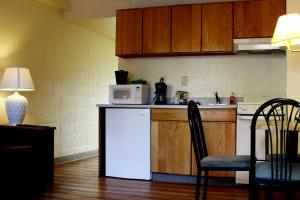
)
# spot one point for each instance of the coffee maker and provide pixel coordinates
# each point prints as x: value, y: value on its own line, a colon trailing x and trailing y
x: 160, y: 92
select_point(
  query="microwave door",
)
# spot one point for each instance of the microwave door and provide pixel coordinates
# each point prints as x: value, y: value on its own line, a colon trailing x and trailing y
x: 122, y: 96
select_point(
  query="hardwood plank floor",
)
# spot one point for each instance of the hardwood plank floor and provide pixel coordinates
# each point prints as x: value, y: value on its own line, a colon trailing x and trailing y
x: 79, y: 180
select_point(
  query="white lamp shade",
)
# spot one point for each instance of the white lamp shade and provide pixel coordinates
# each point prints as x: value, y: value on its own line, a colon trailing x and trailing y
x: 287, y: 31
x: 16, y: 79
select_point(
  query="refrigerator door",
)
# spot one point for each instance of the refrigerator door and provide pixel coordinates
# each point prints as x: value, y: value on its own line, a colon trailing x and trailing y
x: 128, y: 143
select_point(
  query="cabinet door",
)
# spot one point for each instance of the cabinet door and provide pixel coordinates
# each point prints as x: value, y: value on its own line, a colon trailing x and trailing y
x: 257, y: 18
x: 186, y: 28
x: 217, y: 27
x: 170, y: 147
x: 156, y: 30
x: 129, y: 32
x: 220, y: 140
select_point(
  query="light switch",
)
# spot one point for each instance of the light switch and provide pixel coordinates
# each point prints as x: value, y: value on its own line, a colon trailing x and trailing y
x: 184, y: 80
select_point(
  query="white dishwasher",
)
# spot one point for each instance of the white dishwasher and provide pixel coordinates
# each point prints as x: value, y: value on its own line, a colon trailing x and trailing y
x: 127, y: 143
x: 245, y: 112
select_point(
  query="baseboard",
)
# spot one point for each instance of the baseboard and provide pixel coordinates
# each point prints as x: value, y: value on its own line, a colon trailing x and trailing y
x: 171, y: 178
x: 79, y: 156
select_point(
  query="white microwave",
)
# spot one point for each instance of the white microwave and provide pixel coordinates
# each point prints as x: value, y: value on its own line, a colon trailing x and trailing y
x: 128, y: 94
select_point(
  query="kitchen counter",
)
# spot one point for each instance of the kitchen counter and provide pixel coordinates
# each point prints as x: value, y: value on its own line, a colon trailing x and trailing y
x: 162, y: 106
x: 169, y: 128
x: 169, y: 125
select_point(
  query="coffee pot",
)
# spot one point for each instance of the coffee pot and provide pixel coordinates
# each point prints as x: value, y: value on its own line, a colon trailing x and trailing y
x: 160, y: 93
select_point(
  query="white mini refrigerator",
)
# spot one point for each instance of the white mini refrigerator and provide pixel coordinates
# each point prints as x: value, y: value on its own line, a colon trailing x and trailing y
x: 127, y: 143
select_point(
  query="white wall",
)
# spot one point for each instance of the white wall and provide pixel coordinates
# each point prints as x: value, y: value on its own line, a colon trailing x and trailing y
x: 293, y: 60
x: 246, y: 75
x: 71, y: 68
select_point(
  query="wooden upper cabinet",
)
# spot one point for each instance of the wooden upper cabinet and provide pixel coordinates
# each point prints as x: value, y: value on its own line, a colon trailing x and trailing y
x: 257, y: 18
x: 217, y: 27
x: 186, y: 28
x: 190, y: 29
x: 156, y: 30
x: 129, y: 32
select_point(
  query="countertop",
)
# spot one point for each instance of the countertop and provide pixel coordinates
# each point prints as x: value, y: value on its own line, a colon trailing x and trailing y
x: 161, y: 106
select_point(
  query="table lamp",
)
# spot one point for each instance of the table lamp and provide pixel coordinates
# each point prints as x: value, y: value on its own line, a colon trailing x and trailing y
x: 16, y: 79
x: 287, y: 31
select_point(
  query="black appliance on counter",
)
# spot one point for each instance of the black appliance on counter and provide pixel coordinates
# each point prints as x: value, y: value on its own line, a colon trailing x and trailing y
x: 121, y: 77
x: 160, y: 93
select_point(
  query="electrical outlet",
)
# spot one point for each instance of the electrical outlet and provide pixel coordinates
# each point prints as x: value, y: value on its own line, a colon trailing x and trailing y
x: 184, y: 80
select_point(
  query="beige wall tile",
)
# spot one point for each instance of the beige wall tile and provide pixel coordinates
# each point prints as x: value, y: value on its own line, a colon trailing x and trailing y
x: 68, y: 115
x: 67, y: 145
x: 81, y: 115
x: 92, y: 114
x: 61, y: 57
x: 81, y: 102
x: 67, y: 129
x: 82, y: 89
x: 68, y: 102
x: 81, y: 127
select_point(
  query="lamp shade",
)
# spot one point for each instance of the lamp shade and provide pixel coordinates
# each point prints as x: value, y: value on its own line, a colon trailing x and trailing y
x: 287, y: 31
x: 16, y: 79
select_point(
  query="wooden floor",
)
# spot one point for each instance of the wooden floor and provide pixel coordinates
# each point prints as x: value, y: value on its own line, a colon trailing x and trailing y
x: 79, y: 181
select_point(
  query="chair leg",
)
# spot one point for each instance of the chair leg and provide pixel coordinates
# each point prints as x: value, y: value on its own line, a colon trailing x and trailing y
x: 291, y: 192
x: 197, y: 195
x: 253, y: 187
x: 253, y: 192
x: 268, y: 192
x: 205, y: 185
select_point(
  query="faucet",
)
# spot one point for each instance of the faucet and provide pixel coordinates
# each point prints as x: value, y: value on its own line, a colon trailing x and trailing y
x: 218, y: 100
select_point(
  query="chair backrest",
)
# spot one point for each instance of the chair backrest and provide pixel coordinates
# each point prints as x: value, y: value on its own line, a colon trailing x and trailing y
x: 279, y: 119
x: 197, y: 132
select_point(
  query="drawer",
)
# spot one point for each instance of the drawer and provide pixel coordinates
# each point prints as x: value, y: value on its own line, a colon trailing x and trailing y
x: 207, y: 114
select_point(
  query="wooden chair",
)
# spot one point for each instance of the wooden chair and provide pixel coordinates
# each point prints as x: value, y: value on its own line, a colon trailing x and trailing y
x: 280, y: 168
x: 203, y: 160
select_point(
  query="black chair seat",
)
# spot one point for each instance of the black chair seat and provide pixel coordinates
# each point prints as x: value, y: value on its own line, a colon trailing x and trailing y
x: 228, y: 162
x: 263, y: 172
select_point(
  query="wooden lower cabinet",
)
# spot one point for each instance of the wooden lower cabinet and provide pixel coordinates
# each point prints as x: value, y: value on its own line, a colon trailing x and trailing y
x: 171, y: 144
x: 170, y: 147
x: 220, y: 140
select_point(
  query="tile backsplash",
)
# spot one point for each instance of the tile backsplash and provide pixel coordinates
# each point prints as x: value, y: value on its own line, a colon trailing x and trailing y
x: 248, y: 76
